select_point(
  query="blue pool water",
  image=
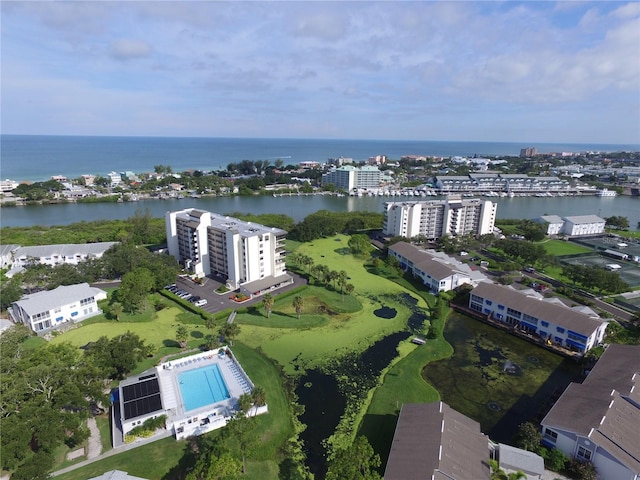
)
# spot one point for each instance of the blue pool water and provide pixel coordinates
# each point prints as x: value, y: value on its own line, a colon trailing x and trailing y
x: 202, y: 386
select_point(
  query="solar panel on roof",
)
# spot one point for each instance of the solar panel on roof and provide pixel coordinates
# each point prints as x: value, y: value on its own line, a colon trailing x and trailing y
x: 141, y: 398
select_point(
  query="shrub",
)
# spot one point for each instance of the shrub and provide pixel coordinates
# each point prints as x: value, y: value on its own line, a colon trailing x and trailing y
x: 555, y: 460
x: 581, y: 470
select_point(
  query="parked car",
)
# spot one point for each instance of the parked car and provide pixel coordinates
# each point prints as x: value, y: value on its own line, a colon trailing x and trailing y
x: 530, y: 270
x: 201, y: 302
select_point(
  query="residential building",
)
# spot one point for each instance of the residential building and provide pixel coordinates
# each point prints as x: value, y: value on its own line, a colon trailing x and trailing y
x: 197, y: 394
x: 348, y: 177
x: 116, y: 475
x: 46, y: 310
x: 553, y: 222
x: 548, y: 319
x: 528, y: 152
x: 599, y: 419
x: 71, y: 253
x: 432, y: 441
x: 436, y: 218
x: 575, y: 226
x: 115, y: 178
x: 8, y: 185
x: 6, y: 255
x: 499, y: 182
x: 438, y: 271
x: 246, y: 255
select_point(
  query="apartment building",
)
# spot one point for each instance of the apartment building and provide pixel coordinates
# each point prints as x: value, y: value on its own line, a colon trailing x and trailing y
x: 573, y: 226
x: 436, y: 218
x: 438, y: 271
x: 499, y: 182
x: 246, y: 255
x: 551, y: 321
x: 598, y: 420
x: 348, y: 177
x: 47, y: 310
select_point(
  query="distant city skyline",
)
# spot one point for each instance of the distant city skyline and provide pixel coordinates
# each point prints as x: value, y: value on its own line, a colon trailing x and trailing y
x: 566, y: 72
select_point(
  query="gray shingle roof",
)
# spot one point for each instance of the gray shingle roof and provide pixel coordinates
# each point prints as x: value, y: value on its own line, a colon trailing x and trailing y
x: 604, y: 406
x: 434, y: 439
x: 539, y: 308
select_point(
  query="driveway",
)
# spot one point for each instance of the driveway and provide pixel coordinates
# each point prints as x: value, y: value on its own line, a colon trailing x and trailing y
x: 218, y: 302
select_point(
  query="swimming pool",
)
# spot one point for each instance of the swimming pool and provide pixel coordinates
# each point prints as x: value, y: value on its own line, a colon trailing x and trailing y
x: 202, y: 386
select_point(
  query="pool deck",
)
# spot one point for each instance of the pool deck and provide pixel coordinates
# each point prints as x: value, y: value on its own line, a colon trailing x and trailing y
x: 185, y: 423
x: 235, y: 378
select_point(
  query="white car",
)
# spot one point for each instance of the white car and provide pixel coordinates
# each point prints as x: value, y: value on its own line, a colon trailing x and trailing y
x: 201, y: 302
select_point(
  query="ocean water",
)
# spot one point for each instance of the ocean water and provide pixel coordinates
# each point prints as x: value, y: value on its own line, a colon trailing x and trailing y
x: 38, y: 157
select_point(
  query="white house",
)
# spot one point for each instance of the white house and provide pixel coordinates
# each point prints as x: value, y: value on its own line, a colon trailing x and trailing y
x: 6, y: 255
x: 599, y: 419
x: 583, y: 225
x: 553, y: 322
x: 554, y: 223
x: 46, y: 310
x: 71, y: 253
x: 438, y: 271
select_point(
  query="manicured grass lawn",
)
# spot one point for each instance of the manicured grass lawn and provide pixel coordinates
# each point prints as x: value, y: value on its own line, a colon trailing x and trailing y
x: 104, y: 426
x: 561, y: 247
x: 159, y: 332
x: 152, y: 461
x: 155, y: 460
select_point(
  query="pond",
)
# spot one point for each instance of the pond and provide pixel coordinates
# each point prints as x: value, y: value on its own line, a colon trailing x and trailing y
x: 497, y: 379
x: 323, y: 394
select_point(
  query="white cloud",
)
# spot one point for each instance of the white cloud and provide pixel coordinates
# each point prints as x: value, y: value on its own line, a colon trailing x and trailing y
x: 125, y: 49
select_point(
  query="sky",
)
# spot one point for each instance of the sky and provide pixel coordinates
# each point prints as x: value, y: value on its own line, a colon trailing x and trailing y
x: 461, y: 71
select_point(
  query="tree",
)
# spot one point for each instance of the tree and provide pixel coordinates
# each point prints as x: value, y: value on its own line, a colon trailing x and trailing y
x: 259, y: 396
x: 357, y: 462
x: 229, y: 331
x: 349, y: 288
x: 212, y: 342
x: 528, y: 437
x: 118, y: 356
x: 298, y: 303
x: 499, y: 474
x: 618, y: 222
x: 267, y: 302
x: 10, y: 291
x: 134, y: 289
x: 116, y: 309
x: 359, y: 243
x: 182, y: 334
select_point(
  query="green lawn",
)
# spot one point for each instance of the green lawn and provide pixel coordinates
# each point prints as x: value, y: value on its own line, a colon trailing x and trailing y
x: 561, y: 247
x: 155, y: 460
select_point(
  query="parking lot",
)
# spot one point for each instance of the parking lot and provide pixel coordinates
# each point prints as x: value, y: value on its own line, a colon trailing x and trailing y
x: 217, y: 302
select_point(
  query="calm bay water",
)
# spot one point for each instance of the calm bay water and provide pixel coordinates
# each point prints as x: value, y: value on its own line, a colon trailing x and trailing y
x: 38, y: 157
x: 299, y: 207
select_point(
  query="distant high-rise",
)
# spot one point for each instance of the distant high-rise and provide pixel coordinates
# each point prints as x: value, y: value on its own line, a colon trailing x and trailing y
x: 528, y: 152
x: 437, y: 218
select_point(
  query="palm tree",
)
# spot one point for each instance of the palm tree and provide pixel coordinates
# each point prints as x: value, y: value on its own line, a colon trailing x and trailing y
x: 181, y: 336
x: 229, y: 331
x: 349, y: 288
x: 116, y: 310
x: 333, y: 275
x: 212, y: 342
x: 298, y: 303
x: 499, y: 474
x: 244, y: 403
x: 267, y: 301
x: 258, y: 396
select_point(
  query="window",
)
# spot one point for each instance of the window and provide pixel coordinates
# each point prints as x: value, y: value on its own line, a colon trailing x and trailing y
x: 583, y: 453
x: 560, y: 329
x: 500, y: 307
x: 488, y: 302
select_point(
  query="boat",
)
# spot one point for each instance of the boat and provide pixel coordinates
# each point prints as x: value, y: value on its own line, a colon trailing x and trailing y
x: 606, y: 193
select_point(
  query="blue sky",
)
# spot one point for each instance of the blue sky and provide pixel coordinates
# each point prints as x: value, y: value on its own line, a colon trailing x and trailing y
x: 477, y: 71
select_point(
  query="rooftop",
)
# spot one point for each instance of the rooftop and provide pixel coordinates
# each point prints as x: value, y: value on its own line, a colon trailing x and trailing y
x: 558, y: 314
x: 63, y: 295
